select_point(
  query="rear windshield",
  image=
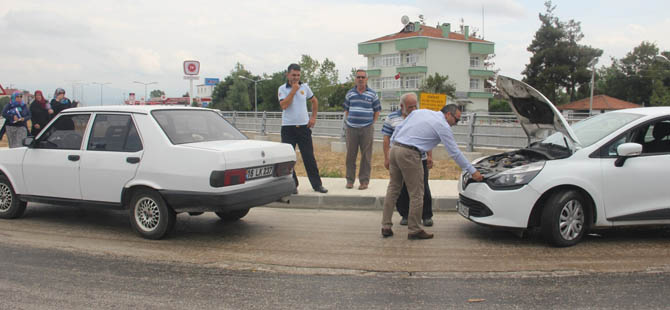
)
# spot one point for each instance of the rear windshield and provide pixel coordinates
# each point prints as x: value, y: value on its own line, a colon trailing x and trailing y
x: 191, y: 126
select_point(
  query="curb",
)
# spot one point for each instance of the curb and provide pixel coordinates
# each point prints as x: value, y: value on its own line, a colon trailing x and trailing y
x: 337, y: 202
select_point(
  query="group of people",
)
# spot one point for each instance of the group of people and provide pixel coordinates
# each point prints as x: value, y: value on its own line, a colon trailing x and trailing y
x: 17, y: 113
x: 409, y: 138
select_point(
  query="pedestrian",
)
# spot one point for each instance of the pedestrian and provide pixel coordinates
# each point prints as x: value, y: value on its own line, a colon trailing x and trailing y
x: 60, y: 102
x: 41, y: 112
x: 361, y: 110
x: 297, y: 124
x: 16, y: 114
x: 402, y: 205
x: 420, y: 132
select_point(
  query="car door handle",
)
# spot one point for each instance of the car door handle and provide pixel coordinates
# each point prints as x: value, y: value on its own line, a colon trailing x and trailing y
x: 132, y: 160
x: 73, y: 157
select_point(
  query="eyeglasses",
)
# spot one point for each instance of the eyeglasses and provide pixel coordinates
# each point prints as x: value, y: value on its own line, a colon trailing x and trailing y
x: 360, y: 77
x: 456, y: 119
x: 18, y: 96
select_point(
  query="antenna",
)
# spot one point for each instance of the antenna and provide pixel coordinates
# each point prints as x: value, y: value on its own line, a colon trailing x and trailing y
x: 404, y: 20
x: 482, y: 21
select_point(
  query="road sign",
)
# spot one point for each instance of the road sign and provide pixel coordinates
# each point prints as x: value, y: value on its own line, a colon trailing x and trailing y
x: 211, y: 81
x: 433, y: 102
x: 191, y: 67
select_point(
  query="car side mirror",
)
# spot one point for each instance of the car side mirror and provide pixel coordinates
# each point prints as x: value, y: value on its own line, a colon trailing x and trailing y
x: 28, y: 141
x: 625, y: 151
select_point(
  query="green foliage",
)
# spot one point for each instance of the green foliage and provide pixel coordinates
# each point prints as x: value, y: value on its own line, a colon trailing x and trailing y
x: 326, y: 172
x: 438, y: 84
x: 559, y: 64
x: 156, y: 93
x: 321, y: 77
x: 4, y: 101
x: 268, y: 97
x: 499, y: 105
x: 336, y: 99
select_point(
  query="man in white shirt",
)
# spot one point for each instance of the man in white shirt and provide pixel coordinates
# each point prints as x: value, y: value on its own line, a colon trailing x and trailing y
x: 296, y: 124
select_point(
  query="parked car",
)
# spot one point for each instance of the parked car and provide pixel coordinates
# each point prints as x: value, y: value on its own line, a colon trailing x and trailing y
x: 154, y: 161
x: 609, y: 170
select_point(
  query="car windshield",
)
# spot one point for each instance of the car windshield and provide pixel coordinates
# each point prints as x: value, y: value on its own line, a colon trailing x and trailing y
x: 191, y: 126
x: 593, y: 129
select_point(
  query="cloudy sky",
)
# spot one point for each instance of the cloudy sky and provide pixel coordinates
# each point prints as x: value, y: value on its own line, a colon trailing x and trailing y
x: 49, y: 44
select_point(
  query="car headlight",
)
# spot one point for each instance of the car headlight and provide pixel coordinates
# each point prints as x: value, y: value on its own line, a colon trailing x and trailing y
x: 516, y: 177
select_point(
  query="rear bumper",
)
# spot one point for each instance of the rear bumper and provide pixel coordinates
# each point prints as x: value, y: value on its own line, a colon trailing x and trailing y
x: 183, y: 201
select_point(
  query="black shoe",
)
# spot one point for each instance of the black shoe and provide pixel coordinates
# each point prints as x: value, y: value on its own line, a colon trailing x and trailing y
x: 387, y: 232
x: 321, y: 189
x: 403, y: 222
x: 427, y: 222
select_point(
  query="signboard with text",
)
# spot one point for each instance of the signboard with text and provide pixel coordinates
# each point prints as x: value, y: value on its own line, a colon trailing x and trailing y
x: 433, y: 102
x: 211, y: 81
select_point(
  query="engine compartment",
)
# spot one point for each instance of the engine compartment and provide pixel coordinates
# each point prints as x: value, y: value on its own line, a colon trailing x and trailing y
x: 495, y: 164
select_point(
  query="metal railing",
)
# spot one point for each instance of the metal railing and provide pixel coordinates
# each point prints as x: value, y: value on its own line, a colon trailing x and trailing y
x: 497, y: 130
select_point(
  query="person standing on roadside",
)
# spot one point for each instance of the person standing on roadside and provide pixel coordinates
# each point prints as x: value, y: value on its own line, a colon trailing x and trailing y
x: 420, y: 132
x: 297, y: 124
x: 16, y: 114
x: 59, y: 102
x: 41, y: 112
x: 361, y: 110
x: 407, y: 105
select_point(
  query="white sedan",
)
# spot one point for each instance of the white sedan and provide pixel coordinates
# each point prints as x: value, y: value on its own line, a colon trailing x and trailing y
x: 153, y: 161
x: 612, y: 169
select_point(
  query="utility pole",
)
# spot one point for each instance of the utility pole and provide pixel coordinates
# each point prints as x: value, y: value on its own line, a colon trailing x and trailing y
x: 101, y: 85
x: 592, y: 64
x: 255, y: 95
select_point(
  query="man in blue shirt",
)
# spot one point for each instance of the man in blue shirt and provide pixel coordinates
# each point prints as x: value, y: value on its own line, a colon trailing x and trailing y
x: 421, y: 131
x: 296, y: 124
x: 361, y: 110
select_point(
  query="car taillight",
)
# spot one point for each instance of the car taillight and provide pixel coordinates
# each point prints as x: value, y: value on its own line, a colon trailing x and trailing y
x: 282, y: 169
x: 228, y: 177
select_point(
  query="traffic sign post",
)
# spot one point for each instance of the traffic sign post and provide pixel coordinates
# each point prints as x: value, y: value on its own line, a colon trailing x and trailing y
x: 191, y: 69
x: 433, y: 102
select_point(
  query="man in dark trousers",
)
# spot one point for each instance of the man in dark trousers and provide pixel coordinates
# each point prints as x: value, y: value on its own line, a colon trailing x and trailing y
x: 297, y: 124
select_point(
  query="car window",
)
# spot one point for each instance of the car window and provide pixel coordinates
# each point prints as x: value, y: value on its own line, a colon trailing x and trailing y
x: 66, y: 133
x: 115, y: 133
x: 190, y: 126
x: 656, y: 139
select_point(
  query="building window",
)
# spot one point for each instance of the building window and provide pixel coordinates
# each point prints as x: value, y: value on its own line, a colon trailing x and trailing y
x: 411, y: 82
x: 375, y: 83
x: 391, y: 60
x: 410, y: 58
x: 474, y: 83
x: 474, y: 62
x: 375, y: 62
x: 390, y: 83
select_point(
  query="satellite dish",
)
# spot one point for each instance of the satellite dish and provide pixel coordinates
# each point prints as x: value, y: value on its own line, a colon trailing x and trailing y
x: 404, y: 20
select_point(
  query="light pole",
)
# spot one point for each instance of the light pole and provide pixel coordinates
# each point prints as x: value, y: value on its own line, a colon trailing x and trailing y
x: 592, y: 64
x: 101, y: 85
x: 255, y: 92
x: 145, y: 88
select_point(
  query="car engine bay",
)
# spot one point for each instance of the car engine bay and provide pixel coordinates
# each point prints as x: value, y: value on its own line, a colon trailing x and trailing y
x: 495, y: 164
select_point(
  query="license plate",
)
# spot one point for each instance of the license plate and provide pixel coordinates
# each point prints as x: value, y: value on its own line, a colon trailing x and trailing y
x: 259, y: 172
x: 463, y: 210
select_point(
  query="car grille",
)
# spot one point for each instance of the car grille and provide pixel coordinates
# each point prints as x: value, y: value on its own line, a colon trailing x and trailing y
x: 477, y: 209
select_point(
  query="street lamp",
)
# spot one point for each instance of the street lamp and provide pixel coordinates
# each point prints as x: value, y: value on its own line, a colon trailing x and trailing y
x: 255, y: 92
x: 101, y: 85
x: 145, y: 88
x: 592, y: 64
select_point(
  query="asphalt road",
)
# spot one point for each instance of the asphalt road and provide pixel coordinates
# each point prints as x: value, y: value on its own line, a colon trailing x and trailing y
x: 59, y: 257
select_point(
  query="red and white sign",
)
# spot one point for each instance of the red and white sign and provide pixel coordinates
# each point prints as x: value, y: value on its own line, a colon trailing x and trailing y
x: 191, y: 67
x: 2, y: 91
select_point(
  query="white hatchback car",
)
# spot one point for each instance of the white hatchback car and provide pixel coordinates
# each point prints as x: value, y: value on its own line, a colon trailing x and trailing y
x: 153, y: 161
x: 609, y: 170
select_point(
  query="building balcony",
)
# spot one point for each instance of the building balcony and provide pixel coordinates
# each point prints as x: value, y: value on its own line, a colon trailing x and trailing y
x: 412, y: 69
x: 480, y: 93
x: 481, y: 71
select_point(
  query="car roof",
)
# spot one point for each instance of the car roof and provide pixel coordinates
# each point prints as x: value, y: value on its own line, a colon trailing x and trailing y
x: 142, y: 109
x: 648, y: 111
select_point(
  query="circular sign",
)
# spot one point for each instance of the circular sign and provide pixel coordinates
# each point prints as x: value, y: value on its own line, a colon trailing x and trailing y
x: 191, y: 67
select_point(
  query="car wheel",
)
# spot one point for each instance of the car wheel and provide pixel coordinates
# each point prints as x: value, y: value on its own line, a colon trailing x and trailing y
x: 231, y: 216
x: 10, y: 205
x: 564, y: 218
x: 150, y: 215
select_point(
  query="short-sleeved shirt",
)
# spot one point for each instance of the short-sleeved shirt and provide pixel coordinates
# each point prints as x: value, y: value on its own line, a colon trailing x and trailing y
x: 361, y: 107
x: 296, y: 113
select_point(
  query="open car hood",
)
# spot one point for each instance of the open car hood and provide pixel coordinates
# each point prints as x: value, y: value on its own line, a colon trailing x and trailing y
x: 536, y: 114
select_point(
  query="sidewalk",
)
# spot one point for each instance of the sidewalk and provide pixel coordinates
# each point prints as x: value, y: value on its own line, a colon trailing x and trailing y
x: 444, y: 192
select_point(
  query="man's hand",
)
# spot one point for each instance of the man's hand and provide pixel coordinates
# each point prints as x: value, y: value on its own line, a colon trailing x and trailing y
x: 16, y: 118
x: 429, y: 163
x: 387, y: 162
x: 37, y: 126
x: 311, y: 122
x: 294, y: 87
x: 50, y: 111
x: 477, y: 176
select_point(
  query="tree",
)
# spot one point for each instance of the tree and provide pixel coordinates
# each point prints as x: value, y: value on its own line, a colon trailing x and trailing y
x: 438, y: 84
x: 156, y: 93
x: 558, y: 64
x: 336, y: 98
x: 268, y: 99
x: 235, y: 93
x: 321, y: 77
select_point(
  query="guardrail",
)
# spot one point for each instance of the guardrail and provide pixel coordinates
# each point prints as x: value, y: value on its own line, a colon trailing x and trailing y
x: 497, y: 130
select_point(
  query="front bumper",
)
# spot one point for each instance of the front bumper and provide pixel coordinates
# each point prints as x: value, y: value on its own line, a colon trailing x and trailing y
x: 508, y: 208
x: 183, y: 201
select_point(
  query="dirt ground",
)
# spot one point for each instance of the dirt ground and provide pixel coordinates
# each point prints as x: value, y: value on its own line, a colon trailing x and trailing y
x: 332, y: 164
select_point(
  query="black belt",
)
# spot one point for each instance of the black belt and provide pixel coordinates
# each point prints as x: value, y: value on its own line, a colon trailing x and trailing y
x: 407, y: 146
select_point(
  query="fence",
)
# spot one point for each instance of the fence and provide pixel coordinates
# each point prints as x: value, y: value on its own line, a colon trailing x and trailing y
x: 497, y: 130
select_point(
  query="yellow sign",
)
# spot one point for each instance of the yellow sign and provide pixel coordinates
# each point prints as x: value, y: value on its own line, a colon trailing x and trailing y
x: 433, y: 102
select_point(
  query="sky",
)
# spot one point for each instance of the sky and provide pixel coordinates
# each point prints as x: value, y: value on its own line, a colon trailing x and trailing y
x: 73, y: 44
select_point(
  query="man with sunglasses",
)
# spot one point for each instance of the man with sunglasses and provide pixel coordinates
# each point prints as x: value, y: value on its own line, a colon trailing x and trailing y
x: 420, y: 132
x: 361, y: 110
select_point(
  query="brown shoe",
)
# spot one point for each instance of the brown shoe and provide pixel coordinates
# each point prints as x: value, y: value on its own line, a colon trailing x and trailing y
x: 350, y: 185
x: 363, y: 186
x: 422, y: 234
x: 387, y: 232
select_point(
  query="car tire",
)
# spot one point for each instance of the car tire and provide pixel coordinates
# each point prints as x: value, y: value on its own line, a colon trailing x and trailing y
x: 564, y: 218
x: 151, y: 217
x: 10, y: 205
x: 231, y: 216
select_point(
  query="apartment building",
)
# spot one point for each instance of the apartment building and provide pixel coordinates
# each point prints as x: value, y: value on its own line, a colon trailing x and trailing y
x: 398, y: 63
